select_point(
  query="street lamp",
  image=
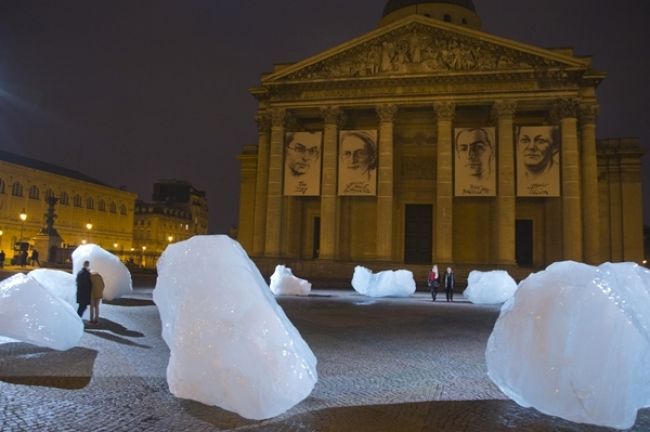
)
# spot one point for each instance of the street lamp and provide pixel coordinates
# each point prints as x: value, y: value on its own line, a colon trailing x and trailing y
x: 144, y: 249
x: 170, y: 239
x: 23, y: 218
x: 89, y: 226
x: 1, y: 233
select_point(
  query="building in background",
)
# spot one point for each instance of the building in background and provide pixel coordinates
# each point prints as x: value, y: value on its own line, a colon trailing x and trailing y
x: 87, y: 210
x: 178, y: 211
x: 440, y: 143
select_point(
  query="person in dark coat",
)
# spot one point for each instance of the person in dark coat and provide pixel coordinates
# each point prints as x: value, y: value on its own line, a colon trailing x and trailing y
x: 34, y: 258
x: 84, y: 288
x: 2, y: 258
x: 449, y: 281
x: 434, y: 281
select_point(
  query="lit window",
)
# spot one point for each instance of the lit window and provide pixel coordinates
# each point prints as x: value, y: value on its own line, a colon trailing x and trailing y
x: 34, y: 193
x: 17, y: 189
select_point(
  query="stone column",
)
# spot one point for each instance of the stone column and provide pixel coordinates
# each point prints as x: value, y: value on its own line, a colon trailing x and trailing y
x: 384, y: 249
x: 274, y: 192
x: 261, y: 183
x: 590, y: 207
x: 332, y: 118
x: 566, y: 110
x: 443, y: 221
x: 505, y: 212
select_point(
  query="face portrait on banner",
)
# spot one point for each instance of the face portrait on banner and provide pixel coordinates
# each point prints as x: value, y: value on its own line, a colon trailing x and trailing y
x: 475, y: 162
x: 538, y: 161
x: 358, y: 162
x: 302, y: 163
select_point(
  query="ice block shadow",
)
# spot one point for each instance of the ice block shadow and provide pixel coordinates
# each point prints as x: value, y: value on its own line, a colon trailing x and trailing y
x: 129, y: 302
x: 27, y: 364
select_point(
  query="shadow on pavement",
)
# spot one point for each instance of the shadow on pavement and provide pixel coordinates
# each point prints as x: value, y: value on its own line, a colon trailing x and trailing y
x: 115, y: 338
x: 129, y: 302
x: 27, y: 364
x: 112, y: 326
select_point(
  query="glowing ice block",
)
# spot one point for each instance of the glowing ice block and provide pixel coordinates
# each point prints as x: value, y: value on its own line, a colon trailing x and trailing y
x: 29, y: 312
x: 574, y: 342
x: 231, y: 344
x: 388, y: 283
x: 283, y: 282
x: 61, y: 284
x: 117, y: 278
x: 489, y: 287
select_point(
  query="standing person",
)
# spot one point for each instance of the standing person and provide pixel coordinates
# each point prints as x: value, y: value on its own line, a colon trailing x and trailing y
x: 2, y: 258
x: 34, y: 258
x: 433, y: 281
x: 96, y: 294
x: 450, y: 281
x: 83, y: 288
x: 23, y: 258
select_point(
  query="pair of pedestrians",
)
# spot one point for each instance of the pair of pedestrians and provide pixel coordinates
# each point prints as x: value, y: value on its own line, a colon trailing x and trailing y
x: 448, y: 282
x: 90, y: 290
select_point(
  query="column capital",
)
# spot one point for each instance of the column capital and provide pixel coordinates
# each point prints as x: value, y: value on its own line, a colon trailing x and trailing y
x: 588, y: 113
x: 386, y: 112
x: 263, y: 121
x: 278, y: 117
x: 444, y: 110
x: 333, y: 115
x: 565, y: 108
x: 504, y: 109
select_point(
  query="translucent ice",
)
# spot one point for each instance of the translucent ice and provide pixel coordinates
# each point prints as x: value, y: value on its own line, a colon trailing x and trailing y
x: 231, y: 344
x: 61, y: 284
x: 283, y: 282
x: 489, y: 287
x: 574, y: 342
x: 388, y: 283
x: 30, y: 313
x: 117, y: 278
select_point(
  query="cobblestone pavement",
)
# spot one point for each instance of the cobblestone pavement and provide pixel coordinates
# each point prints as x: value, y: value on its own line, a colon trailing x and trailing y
x: 384, y: 365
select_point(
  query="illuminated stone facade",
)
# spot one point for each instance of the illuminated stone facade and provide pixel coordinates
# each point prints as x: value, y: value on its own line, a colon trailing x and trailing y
x: 415, y: 80
x: 178, y: 212
x: 25, y: 185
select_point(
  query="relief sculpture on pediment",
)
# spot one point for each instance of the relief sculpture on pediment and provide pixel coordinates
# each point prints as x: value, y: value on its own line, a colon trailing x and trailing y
x: 418, y: 49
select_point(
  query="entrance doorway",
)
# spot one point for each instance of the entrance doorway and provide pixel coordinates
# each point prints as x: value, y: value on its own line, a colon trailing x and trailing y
x: 316, y: 249
x: 524, y: 242
x: 418, y: 231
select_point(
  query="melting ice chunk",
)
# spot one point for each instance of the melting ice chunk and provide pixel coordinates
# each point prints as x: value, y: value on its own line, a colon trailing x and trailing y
x: 30, y: 313
x: 283, y: 282
x: 117, y: 278
x: 388, y: 283
x: 489, y: 287
x: 61, y: 284
x: 574, y: 342
x: 231, y: 345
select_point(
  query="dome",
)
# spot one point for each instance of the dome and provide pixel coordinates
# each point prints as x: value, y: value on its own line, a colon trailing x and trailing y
x: 393, y: 5
x: 459, y: 12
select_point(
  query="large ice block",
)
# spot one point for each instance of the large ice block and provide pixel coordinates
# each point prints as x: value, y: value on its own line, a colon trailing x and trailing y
x: 29, y: 312
x: 283, y: 282
x: 388, y: 283
x: 117, y: 278
x: 574, y: 342
x: 491, y: 287
x: 61, y: 284
x: 231, y: 343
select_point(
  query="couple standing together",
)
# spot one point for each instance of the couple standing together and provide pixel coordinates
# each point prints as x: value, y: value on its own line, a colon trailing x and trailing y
x: 448, y: 282
x: 90, y: 290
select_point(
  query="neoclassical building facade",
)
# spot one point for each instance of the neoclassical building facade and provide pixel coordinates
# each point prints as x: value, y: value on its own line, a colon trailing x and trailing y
x: 428, y: 140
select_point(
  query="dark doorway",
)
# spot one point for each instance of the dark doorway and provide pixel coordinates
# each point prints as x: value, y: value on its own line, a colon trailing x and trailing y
x: 316, y: 250
x: 418, y: 231
x: 524, y: 242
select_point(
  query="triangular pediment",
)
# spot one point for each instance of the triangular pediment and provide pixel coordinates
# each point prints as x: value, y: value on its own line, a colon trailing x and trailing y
x: 417, y: 46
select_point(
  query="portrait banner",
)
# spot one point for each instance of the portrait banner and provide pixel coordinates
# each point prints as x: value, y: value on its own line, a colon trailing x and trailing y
x: 475, y: 153
x: 302, y: 163
x: 357, y: 162
x: 538, y: 161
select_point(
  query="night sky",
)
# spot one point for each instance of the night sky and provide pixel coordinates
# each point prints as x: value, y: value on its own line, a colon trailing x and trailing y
x: 131, y: 91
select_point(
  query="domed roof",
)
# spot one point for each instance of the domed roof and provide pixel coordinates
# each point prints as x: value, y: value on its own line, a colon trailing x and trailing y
x: 394, y: 5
